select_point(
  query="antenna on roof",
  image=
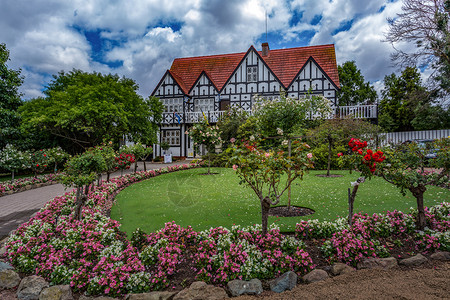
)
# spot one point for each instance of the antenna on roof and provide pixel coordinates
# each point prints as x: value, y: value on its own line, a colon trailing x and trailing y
x: 266, y: 25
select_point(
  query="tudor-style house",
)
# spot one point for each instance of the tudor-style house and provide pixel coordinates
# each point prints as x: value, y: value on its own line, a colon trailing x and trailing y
x: 205, y: 86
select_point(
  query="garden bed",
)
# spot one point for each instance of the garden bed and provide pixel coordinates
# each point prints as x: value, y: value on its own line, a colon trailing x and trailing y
x: 94, y: 256
x: 24, y: 184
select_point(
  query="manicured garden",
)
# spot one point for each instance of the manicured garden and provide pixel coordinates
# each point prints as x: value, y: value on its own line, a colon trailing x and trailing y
x: 202, y: 201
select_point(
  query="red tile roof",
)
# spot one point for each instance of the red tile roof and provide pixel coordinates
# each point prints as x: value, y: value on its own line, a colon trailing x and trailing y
x: 284, y: 63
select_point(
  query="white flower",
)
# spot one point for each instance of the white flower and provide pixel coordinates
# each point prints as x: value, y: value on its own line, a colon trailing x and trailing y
x: 280, y: 131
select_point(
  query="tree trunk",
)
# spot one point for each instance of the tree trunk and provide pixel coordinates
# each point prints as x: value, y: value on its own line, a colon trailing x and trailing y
x: 289, y: 190
x: 265, y: 207
x: 351, y: 199
x: 56, y: 167
x: 107, y: 176
x: 135, y: 166
x: 145, y: 166
x: 329, y: 157
x: 209, y: 162
x: 418, y: 194
x: 78, y: 203
x: 12, y: 176
x: 99, y: 179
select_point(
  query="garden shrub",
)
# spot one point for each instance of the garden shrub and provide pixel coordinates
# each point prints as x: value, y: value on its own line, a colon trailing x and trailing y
x: 321, y: 156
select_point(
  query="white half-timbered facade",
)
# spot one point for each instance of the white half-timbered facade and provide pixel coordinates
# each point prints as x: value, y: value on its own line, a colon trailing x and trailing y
x: 196, y: 87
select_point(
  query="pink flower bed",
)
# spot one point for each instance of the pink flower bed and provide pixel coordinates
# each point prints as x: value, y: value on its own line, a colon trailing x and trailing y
x: 24, y: 182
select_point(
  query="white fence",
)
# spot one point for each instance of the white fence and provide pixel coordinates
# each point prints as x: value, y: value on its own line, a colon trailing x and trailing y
x: 400, y: 137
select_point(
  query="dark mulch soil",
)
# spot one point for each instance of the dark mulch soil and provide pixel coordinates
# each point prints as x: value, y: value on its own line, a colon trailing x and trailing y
x: 294, y: 211
x: 329, y: 176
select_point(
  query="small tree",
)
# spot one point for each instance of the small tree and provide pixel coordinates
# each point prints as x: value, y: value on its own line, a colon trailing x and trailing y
x: 56, y: 155
x: 207, y: 135
x: 81, y: 171
x: 363, y: 160
x: 13, y: 160
x: 263, y: 171
x: 39, y: 161
x: 124, y: 161
x: 408, y: 168
x: 109, y: 155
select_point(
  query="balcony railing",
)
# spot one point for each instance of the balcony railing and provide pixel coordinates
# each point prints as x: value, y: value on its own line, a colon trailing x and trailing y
x: 357, y: 112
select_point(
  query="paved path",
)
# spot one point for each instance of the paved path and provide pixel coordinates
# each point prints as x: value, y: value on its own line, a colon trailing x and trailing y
x: 17, y: 208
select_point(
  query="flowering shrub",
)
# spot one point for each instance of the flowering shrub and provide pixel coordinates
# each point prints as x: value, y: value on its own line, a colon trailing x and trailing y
x: 17, y: 184
x: 245, y: 253
x: 124, y: 161
x: 12, y: 159
x: 205, y: 134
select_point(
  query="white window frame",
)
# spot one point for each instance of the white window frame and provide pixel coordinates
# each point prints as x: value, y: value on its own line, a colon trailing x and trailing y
x: 171, y: 137
x: 252, y: 73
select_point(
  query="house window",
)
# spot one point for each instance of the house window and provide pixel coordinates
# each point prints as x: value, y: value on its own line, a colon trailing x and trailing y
x: 252, y: 73
x: 173, y: 105
x: 204, y: 105
x: 171, y: 137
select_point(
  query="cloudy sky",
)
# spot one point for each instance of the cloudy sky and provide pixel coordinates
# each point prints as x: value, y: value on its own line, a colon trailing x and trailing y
x: 140, y: 38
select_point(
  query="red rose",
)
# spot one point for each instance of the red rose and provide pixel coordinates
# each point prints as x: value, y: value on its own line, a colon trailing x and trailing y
x: 340, y: 154
x: 360, y: 151
x: 367, y: 157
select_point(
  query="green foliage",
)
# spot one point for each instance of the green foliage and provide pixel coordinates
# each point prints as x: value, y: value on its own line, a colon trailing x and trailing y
x: 396, y: 108
x: 288, y: 114
x: 12, y: 159
x: 86, y: 108
x: 230, y: 123
x: 205, y: 134
x: 82, y: 169
x: 354, y: 90
x: 39, y: 161
x: 320, y: 153
x: 408, y: 167
x: 107, y: 152
x: 10, y: 81
x: 165, y: 146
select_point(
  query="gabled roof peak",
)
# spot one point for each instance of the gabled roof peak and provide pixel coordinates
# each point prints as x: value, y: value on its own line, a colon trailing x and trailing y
x: 284, y: 63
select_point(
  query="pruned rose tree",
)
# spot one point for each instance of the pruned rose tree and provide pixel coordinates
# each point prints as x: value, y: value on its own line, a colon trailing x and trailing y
x: 205, y: 134
x: 410, y: 167
x: 263, y: 171
x: 363, y: 160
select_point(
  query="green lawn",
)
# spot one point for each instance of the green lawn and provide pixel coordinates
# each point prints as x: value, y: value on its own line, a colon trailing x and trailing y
x: 218, y: 200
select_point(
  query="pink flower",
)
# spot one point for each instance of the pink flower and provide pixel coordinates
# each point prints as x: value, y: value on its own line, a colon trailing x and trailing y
x: 309, y: 155
x: 232, y: 140
x: 235, y: 167
x: 267, y: 154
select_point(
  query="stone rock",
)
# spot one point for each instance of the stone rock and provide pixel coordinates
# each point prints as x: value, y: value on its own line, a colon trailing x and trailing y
x: 378, y: 263
x: 30, y: 287
x: 5, y: 266
x: 441, y: 255
x: 201, y: 290
x: 152, y: 296
x: 242, y: 287
x: 83, y: 297
x: 57, y: 292
x: 315, y: 275
x: 340, y: 268
x: 9, y: 279
x: 414, y: 261
x: 2, y: 250
x: 287, y: 281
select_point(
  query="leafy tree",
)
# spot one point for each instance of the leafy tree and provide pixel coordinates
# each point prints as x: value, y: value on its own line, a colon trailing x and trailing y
x: 56, y: 156
x: 80, y: 171
x: 140, y: 152
x: 229, y: 125
x: 399, y: 99
x: 39, y: 161
x: 109, y: 155
x: 408, y: 168
x: 337, y: 132
x: 354, y: 90
x: 10, y: 81
x: 263, y: 171
x: 13, y: 160
x: 208, y: 135
x: 85, y: 108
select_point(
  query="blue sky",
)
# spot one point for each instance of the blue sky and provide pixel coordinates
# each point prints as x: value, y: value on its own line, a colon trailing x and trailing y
x: 140, y: 38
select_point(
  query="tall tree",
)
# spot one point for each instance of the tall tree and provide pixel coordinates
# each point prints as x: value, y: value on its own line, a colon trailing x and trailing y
x: 399, y: 99
x: 86, y: 108
x: 353, y: 88
x: 10, y: 81
x: 425, y: 24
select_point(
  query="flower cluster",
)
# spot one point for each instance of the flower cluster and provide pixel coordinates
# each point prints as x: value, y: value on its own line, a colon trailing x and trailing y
x: 124, y: 161
x: 370, y: 158
x: 90, y: 254
x: 18, y: 184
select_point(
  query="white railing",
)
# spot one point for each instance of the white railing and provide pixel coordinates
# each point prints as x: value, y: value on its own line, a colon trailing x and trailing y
x: 357, y: 112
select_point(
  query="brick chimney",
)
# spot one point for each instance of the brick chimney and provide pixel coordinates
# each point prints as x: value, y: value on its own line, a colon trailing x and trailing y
x: 265, y: 49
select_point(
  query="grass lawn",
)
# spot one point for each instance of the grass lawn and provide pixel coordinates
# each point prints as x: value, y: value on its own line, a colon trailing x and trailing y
x: 204, y: 201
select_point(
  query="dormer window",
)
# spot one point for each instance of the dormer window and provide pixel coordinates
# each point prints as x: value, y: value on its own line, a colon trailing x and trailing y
x: 252, y: 73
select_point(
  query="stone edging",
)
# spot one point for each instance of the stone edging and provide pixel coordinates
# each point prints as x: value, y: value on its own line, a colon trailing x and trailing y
x: 35, y: 287
x: 28, y: 187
